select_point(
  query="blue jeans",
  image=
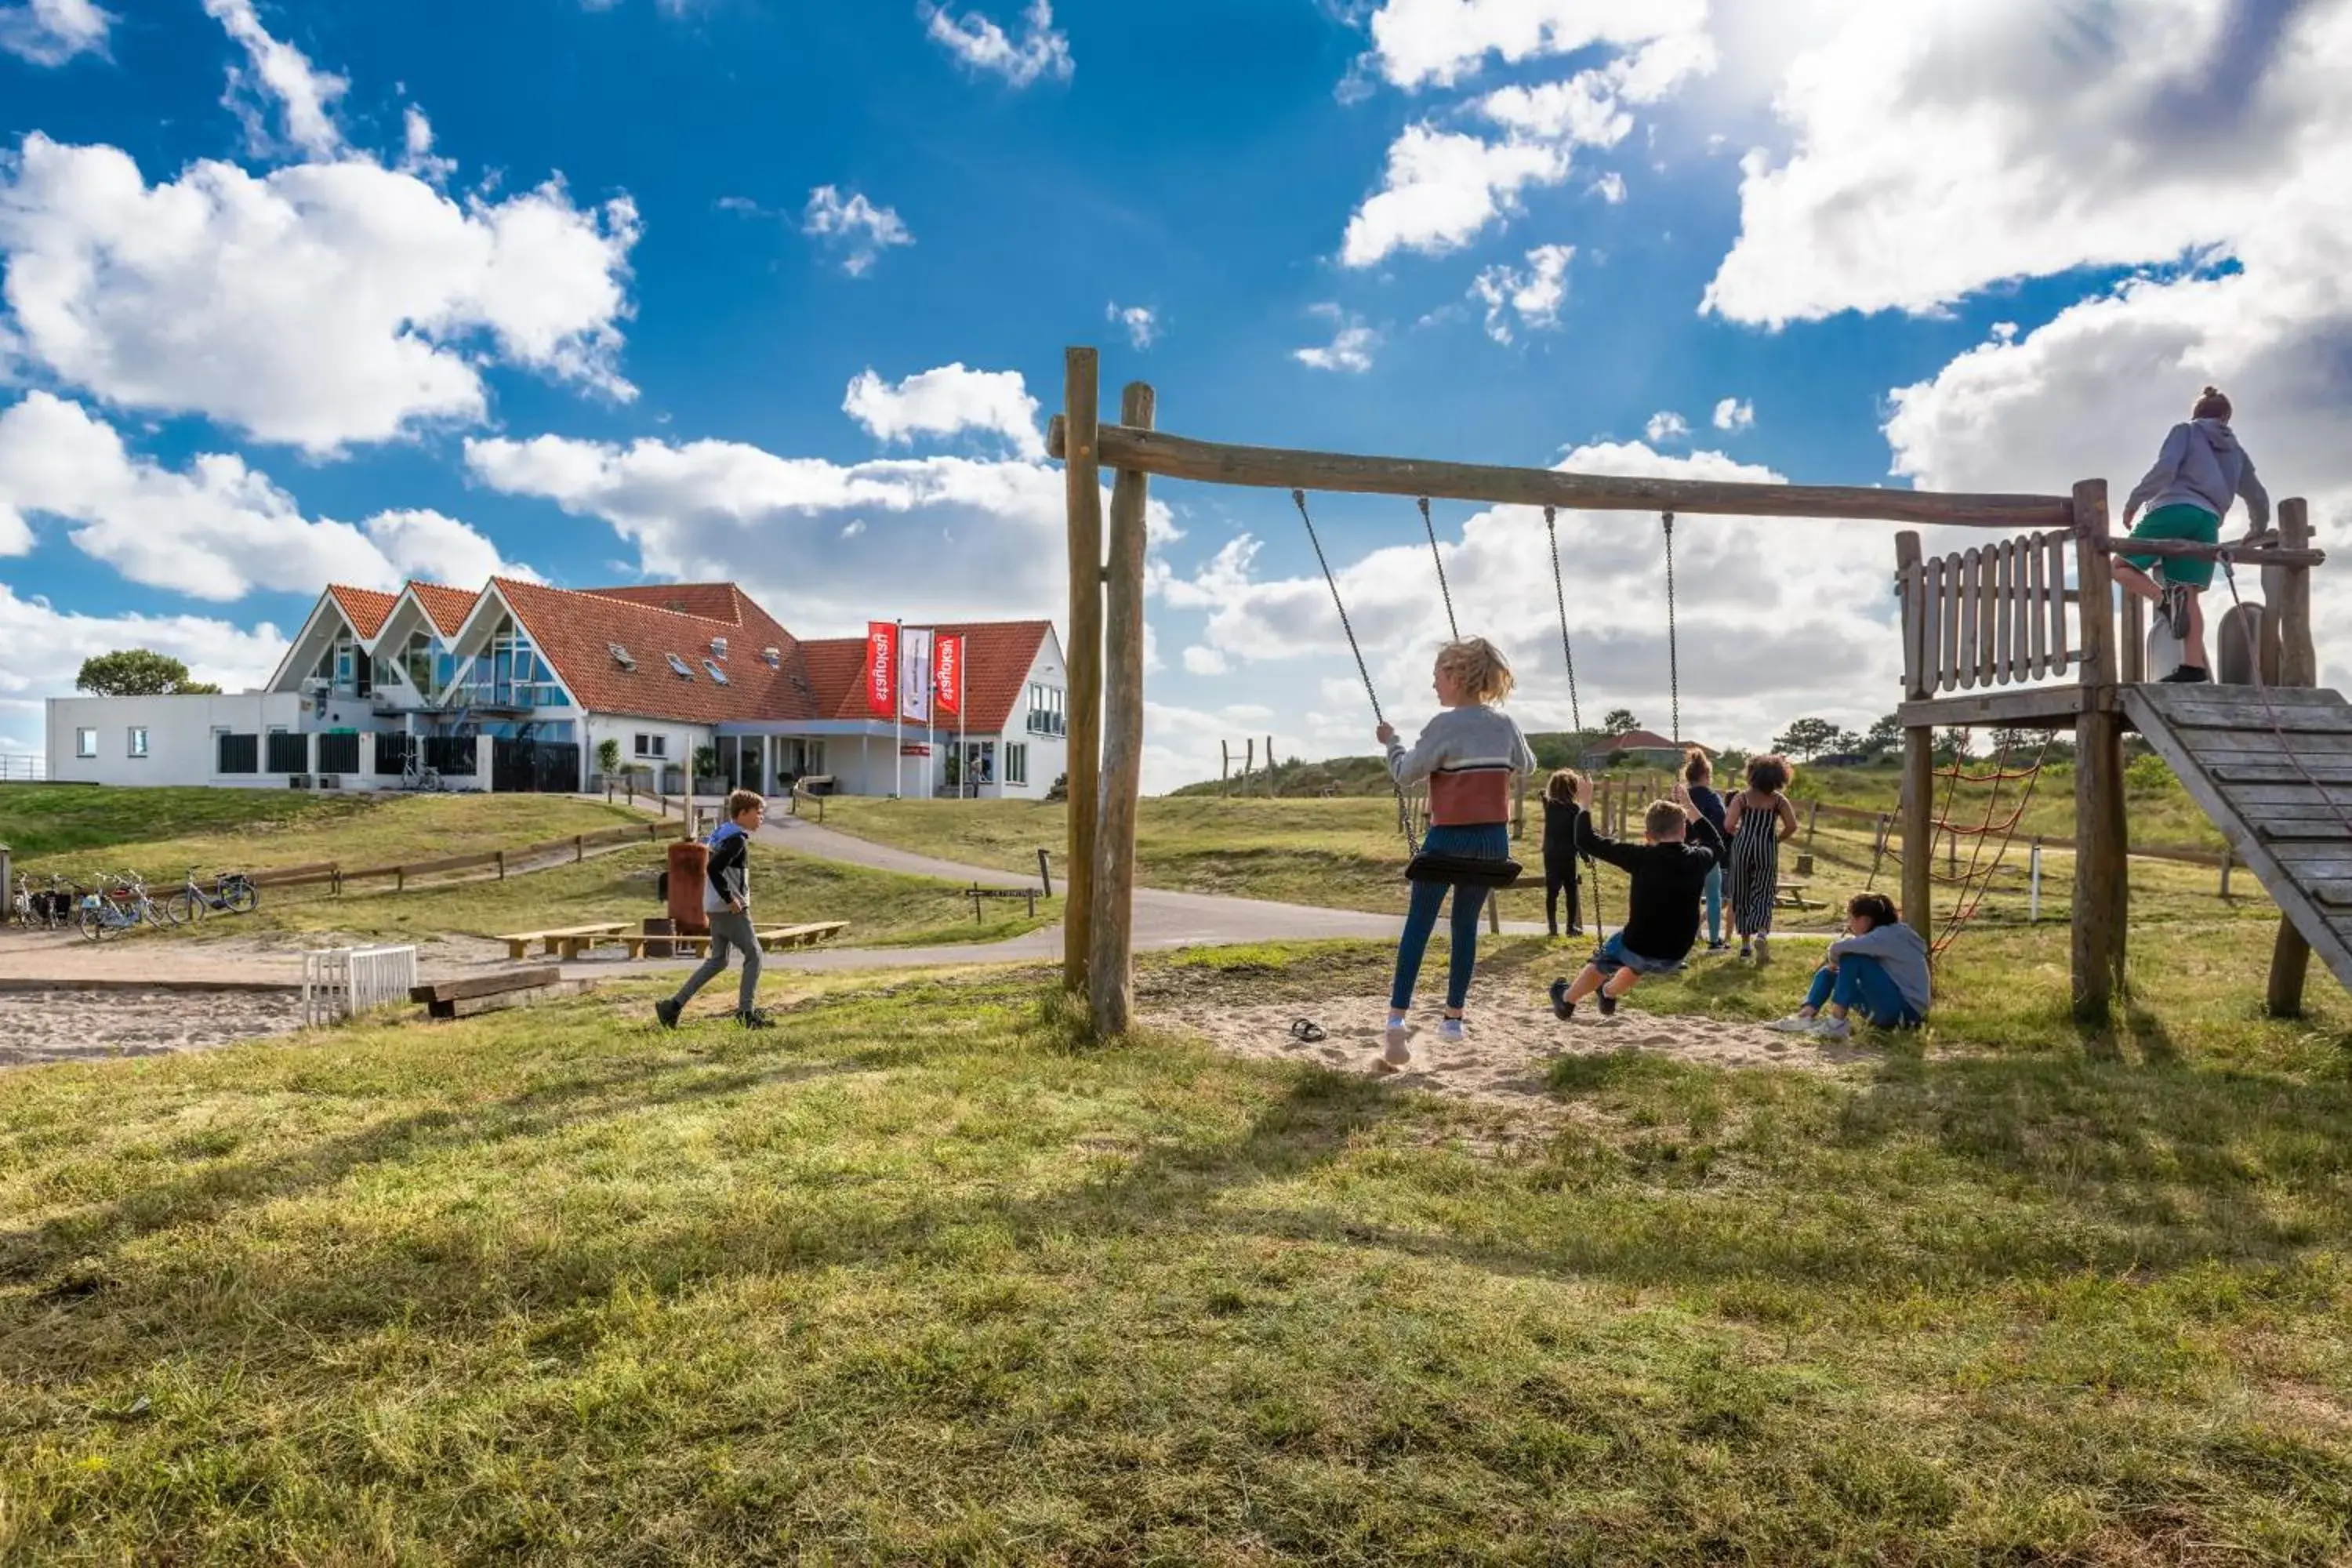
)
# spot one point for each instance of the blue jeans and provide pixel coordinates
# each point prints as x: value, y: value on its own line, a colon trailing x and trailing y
x: 1714, y: 905
x: 1487, y: 841
x: 1863, y: 986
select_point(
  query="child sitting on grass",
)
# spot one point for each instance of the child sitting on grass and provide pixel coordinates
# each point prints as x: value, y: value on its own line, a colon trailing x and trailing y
x: 1560, y: 813
x: 1666, y: 872
x: 726, y: 900
x: 1879, y: 969
x: 1473, y: 758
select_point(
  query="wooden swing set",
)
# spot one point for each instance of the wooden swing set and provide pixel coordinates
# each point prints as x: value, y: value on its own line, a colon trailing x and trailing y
x: 1980, y: 625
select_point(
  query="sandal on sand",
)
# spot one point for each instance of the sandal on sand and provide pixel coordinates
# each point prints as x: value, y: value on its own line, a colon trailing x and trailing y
x: 1306, y: 1030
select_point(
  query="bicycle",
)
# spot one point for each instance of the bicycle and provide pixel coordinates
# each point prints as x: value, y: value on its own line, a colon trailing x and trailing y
x: 232, y: 893
x: 124, y: 905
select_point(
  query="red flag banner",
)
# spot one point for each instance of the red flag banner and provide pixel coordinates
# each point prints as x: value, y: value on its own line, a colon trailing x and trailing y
x: 947, y: 676
x: 882, y: 668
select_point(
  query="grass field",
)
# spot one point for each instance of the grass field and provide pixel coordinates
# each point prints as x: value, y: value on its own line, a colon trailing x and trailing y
x: 161, y: 833
x: 915, y: 1278
x: 882, y: 909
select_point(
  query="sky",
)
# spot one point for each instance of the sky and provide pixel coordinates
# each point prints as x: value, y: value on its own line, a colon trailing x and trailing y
x: 618, y: 291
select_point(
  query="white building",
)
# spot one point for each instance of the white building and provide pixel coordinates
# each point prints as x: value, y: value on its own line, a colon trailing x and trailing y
x: 517, y: 687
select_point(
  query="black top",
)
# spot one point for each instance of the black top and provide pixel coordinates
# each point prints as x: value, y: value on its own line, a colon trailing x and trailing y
x: 1709, y: 803
x: 1666, y: 880
x: 1560, y: 828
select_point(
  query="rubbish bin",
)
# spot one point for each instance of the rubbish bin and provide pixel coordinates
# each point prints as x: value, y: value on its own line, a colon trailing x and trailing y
x: 689, y: 865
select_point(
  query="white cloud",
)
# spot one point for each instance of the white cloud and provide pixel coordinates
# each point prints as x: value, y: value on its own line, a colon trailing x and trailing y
x: 416, y: 156
x: 1142, y: 324
x: 854, y: 228
x: 1204, y: 661
x: 1735, y: 413
x: 42, y: 648
x: 216, y: 530
x: 1350, y: 348
x: 982, y: 46
x: 1441, y: 189
x: 1536, y: 295
x: 1609, y: 187
x: 319, y: 305
x: 306, y: 96
x: 948, y: 401
x: 52, y: 32
x: 1419, y: 42
x: 1666, y: 425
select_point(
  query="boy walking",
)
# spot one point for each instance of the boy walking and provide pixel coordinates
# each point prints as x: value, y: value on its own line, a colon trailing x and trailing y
x: 1665, y: 875
x: 726, y: 900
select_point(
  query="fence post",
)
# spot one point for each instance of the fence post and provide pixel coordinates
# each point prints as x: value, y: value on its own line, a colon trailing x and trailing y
x: 502, y: 865
x: 2229, y: 857
x: 579, y: 848
x: 1044, y: 874
x: 2033, y: 883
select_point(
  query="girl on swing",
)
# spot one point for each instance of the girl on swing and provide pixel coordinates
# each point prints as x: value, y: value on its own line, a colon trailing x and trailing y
x: 1473, y: 756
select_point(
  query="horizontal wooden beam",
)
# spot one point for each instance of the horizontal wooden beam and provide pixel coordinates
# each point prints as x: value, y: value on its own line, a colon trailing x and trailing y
x: 2190, y: 550
x: 1272, y: 467
x: 2023, y: 708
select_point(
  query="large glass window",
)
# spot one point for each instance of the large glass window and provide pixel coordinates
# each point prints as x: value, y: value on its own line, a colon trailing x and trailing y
x: 428, y: 665
x: 138, y: 739
x: 510, y: 674
x: 1048, y: 712
x: 1017, y: 762
x: 85, y: 742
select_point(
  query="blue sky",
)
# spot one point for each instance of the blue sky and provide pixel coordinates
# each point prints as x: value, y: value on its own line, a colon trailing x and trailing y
x: 1921, y: 270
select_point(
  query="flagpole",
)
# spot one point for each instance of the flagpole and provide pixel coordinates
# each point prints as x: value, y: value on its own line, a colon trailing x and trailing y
x: 964, y: 707
x: 899, y: 712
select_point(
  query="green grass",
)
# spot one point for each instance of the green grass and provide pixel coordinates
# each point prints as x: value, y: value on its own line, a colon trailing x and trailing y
x: 159, y: 834
x: 882, y: 907
x: 912, y: 1278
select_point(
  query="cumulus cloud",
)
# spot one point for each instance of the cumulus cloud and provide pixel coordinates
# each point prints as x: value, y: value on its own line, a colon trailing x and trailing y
x: 1041, y: 51
x: 1418, y: 43
x: 948, y: 401
x: 42, y: 648
x: 317, y: 305
x: 216, y: 530
x: 52, y: 32
x: 1204, y: 661
x: 1735, y: 413
x: 854, y: 228
x: 1142, y: 324
x: 1350, y: 348
x: 1535, y: 295
x: 1666, y: 425
x: 277, y: 71
x: 1609, y: 187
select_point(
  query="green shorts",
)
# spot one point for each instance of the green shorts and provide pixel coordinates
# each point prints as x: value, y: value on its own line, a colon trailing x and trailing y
x: 2181, y: 522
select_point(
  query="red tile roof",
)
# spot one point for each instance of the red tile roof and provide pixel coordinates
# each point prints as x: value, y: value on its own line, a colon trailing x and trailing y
x: 998, y: 655
x: 1636, y: 740
x: 574, y: 629
x: 446, y: 607
x: 713, y: 601
x: 364, y: 609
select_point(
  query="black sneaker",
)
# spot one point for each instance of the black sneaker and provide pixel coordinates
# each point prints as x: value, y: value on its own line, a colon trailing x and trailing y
x: 2187, y: 675
x: 665, y: 1014
x: 1561, y: 1008
x: 753, y: 1018
x: 1608, y: 1003
x: 1576, y: 930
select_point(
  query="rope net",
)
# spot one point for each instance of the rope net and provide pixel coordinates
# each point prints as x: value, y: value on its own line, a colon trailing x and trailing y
x: 1996, y: 830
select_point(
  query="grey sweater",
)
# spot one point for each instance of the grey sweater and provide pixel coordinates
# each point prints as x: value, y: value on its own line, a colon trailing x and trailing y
x: 1901, y: 952
x: 1469, y: 756
x: 2202, y: 466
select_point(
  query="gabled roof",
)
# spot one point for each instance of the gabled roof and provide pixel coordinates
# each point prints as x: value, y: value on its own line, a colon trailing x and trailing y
x: 444, y: 606
x: 574, y: 631
x: 364, y: 609
x: 1638, y: 741
x: 998, y: 657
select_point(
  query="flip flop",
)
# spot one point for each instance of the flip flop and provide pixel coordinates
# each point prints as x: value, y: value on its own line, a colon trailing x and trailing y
x: 1306, y: 1031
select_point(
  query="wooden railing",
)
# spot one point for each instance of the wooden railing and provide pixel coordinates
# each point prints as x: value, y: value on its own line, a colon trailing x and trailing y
x: 1997, y: 615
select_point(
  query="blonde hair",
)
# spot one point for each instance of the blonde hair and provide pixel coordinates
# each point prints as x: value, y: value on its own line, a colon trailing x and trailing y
x: 1664, y: 819
x: 1481, y: 668
x: 1560, y: 788
x: 1698, y: 768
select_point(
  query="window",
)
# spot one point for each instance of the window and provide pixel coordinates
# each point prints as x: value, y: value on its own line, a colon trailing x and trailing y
x: 718, y: 647
x: 428, y: 665
x: 717, y: 674
x: 772, y: 657
x: 678, y: 665
x: 1017, y: 762
x: 979, y: 761
x: 138, y: 739
x: 1047, y: 710
x: 621, y: 656
x: 85, y: 742
x: 510, y: 674
x: 652, y: 746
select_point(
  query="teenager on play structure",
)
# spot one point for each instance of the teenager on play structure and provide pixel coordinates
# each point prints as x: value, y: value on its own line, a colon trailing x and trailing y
x: 2201, y: 470
x: 1666, y: 874
x: 1879, y: 969
x: 1473, y: 756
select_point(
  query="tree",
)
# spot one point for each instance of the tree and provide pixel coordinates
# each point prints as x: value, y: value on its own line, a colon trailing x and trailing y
x: 608, y: 756
x: 1620, y: 722
x: 138, y: 672
x: 1806, y: 738
x: 1848, y: 744
x: 1951, y: 747
x: 1885, y: 735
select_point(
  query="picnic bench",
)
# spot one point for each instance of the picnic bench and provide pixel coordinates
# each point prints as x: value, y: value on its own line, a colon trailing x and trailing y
x: 976, y: 893
x: 1791, y: 896
x: 491, y: 992
x: 771, y: 939
x: 568, y: 941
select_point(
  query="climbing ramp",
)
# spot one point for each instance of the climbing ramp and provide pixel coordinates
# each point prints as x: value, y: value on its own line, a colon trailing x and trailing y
x: 2273, y: 767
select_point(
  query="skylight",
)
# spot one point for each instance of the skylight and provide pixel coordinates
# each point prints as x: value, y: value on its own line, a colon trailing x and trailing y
x: 774, y: 658
x: 717, y: 674
x: 718, y: 647
x: 680, y: 665
x: 621, y: 656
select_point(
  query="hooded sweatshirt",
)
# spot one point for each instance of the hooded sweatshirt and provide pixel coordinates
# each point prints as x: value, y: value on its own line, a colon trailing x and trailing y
x: 2203, y: 466
x: 1901, y: 952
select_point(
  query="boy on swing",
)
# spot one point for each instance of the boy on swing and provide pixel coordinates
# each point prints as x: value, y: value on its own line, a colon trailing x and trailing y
x: 1666, y: 872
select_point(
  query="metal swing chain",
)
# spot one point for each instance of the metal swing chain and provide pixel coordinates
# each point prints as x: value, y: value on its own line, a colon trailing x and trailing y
x: 1673, y: 653
x: 1404, y: 813
x: 1443, y: 592
x: 1560, y: 593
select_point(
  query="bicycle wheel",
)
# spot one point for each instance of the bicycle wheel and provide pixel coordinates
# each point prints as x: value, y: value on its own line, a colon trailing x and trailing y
x: 183, y: 906
x: 240, y: 897
x: 90, y: 922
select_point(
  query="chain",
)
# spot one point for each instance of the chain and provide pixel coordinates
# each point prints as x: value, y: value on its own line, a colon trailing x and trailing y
x: 1673, y: 654
x: 1404, y: 813
x: 1560, y: 593
x: 1443, y: 592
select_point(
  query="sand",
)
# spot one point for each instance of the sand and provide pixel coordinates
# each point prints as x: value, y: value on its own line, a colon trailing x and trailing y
x: 1512, y: 1040
x: 38, y: 1027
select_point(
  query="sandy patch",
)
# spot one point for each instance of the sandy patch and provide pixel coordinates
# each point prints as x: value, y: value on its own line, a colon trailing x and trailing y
x: 1511, y: 1043
x: 65, y: 1026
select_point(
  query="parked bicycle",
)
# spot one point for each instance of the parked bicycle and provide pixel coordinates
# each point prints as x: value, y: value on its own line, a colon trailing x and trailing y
x: 123, y: 905
x: 232, y: 893
x: 49, y: 908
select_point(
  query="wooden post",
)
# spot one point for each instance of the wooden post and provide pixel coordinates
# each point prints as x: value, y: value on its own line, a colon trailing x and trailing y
x: 1082, y: 475
x: 1110, y: 967
x: 1225, y: 765
x: 1916, y: 803
x: 2131, y: 666
x: 2102, y: 843
x: 1044, y: 872
x: 2298, y: 665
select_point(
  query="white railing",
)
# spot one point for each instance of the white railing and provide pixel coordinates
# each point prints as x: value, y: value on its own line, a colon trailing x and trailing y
x: 344, y: 981
x: 23, y: 767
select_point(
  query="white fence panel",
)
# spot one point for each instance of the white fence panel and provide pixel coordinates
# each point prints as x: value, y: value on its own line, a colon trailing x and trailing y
x: 342, y: 982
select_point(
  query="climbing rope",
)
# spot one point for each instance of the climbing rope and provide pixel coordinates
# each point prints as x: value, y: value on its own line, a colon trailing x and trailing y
x: 1975, y: 882
x: 1560, y: 593
x: 1404, y: 813
x: 1443, y: 592
x: 1674, y: 655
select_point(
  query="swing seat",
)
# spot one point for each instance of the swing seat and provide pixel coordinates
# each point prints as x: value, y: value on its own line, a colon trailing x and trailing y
x: 1462, y: 870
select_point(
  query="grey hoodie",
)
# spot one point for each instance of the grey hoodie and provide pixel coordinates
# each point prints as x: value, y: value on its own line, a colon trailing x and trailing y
x: 2202, y: 466
x: 1901, y: 952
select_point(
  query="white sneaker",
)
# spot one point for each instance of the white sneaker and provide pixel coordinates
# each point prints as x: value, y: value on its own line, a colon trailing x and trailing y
x: 1830, y: 1029
x: 1450, y: 1031
x: 1398, y: 1046
x: 1763, y: 950
x: 1794, y: 1023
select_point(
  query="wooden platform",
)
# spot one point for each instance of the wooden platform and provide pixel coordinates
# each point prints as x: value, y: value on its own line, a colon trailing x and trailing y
x: 770, y: 938
x: 569, y: 941
x: 2280, y: 791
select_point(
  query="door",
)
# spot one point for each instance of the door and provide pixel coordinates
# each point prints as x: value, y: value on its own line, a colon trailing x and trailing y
x: 534, y: 767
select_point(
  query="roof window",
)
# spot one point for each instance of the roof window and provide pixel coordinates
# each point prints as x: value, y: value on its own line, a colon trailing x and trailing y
x: 621, y: 656
x: 680, y: 666
x: 774, y: 658
x: 718, y: 647
x: 717, y: 674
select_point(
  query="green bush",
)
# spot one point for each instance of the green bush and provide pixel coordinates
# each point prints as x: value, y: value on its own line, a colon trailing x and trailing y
x: 2151, y: 774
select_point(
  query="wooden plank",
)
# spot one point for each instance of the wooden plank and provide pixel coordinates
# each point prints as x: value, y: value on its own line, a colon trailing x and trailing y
x: 2320, y: 861
x: 1141, y: 451
x: 2298, y: 720
x: 2326, y: 772
x: 2037, y: 608
x: 1110, y: 961
x: 1082, y: 403
x: 1971, y: 606
x: 1931, y: 627
x: 485, y: 985
x: 1918, y: 807
x: 2265, y: 798
x: 2219, y: 747
x: 2061, y: 651
x: 2004, y: 620
x: 2337, y: 815
x: 2189, y: 549
x: 472, y: 1006
x: 1909, y: 579
x: 2023, y: 707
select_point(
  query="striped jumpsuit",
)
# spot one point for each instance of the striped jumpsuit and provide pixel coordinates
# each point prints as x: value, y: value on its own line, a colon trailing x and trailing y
x: 1755, y: 876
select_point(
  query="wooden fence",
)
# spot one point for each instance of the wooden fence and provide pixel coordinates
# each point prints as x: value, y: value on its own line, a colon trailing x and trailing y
x: 1991, y: 615
x: 335, y: 876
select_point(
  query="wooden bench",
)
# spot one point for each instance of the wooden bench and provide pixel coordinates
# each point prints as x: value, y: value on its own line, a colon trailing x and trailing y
x: 771, y: 939
x: 976, y: 893
x: 1791, y: 896
x: 490, y: 992
x: 569, y: 941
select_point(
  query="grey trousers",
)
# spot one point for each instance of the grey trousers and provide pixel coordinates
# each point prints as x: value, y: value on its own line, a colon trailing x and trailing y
x: 728, y: 930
